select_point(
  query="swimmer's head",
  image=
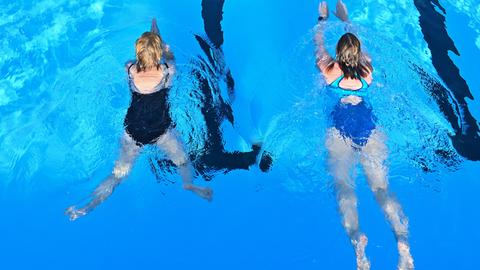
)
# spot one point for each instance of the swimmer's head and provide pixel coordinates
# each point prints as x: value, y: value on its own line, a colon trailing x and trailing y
x: 349, y: 50
x: 148, y: 51
x: 349, y: 57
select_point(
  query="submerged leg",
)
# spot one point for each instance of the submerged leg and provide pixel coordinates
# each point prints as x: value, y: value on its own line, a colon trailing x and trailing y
x: 171, y: 145
x: 341, y: 161
x: 373, y: 159
x: 128, y: 153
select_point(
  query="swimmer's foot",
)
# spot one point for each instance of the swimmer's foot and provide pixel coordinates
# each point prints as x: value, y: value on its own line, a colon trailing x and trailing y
x: 266, y: 159
x: 405, y: 260
x: 204, y: 192
x: 360, y: 243
x: 256, y: 147
x: 74, y: 213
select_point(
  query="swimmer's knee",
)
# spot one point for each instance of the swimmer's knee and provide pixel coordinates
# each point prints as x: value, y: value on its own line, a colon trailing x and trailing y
x: 351, y: 226
x: 379, y: 187
x: 181, y: 161
x: 377, y: 178
x: 188, y: 186
x: 121, y: 169
x: 347, y: 203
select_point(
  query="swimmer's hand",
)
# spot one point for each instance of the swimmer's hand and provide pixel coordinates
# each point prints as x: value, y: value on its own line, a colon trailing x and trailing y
x: 323, y: 10
x: 167, y: 52
x: 154, y: 27
x: 341, y: 11
x: 74, y: 213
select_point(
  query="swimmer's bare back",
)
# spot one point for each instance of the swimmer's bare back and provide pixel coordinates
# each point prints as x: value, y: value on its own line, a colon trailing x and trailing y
x: 146, y: 81
x: 346, y: 83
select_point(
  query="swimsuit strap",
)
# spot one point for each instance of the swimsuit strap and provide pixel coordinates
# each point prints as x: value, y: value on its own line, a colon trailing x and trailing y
x: 336, y: 83
x: 128, y: 70
x: 131, y: 83
x: 364, y: 83
x: 166, y: 76
x: 343, y: 92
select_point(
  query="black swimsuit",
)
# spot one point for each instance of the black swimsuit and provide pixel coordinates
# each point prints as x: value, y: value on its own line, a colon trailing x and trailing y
x: 148, y: 116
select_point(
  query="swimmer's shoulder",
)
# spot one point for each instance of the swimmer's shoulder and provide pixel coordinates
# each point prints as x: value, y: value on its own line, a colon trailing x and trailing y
x: 147, y: 82
x: 334, y: 73
x: 128, y: 65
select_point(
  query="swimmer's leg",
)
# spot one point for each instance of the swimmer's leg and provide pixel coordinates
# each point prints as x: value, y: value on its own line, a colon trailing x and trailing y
x: 172, y: 146
x: 167, y: 53
x: 341, y: 161
x: 373, y: 159
x: 128, y: 153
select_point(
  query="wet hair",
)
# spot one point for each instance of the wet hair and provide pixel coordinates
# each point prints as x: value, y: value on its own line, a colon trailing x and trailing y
x: 350, y: 59
x: 148, y: 51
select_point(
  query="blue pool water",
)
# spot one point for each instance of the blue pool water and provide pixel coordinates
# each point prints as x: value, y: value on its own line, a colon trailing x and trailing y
x: 63, y: 97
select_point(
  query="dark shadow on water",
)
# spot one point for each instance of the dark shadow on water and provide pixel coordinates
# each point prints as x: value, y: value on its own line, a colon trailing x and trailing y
x: 208, y: 71
x: 451, y: 100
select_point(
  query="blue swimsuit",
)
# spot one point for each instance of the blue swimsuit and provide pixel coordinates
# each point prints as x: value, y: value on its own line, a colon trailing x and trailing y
x: 353, y: 121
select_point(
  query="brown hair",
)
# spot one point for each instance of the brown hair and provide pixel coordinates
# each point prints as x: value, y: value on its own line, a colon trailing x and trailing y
x: 349, y: 58
x: 148, y: 51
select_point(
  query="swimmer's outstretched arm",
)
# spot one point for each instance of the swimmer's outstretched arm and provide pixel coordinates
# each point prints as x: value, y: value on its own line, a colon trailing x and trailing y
x: 154, y: 27
x: 128, y: 154
x: 322, y: 56
x: 342, y: 13
x: 167, y: 53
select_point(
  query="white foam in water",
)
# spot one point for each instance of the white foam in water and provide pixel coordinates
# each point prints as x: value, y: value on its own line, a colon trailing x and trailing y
x: 31, y: 43
x: 97, y: 9
x: 396, y: 20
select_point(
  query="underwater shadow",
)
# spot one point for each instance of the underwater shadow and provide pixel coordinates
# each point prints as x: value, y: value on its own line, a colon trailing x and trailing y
x: 451, y: 100
x: 209, y: 71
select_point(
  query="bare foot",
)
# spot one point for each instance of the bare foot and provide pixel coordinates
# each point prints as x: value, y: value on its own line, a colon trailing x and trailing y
x: 405, y: 260
x: 360, y: 244
x: 74, y: 213
x: 204, y: 192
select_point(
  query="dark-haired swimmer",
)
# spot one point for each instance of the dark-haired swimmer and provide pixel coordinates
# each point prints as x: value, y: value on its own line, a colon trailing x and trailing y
x: 353, y: 134
x: 147, y: 121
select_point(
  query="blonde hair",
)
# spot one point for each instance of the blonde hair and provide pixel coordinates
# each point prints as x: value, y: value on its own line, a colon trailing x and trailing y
x: 148, y: 51
x: 349, y: 57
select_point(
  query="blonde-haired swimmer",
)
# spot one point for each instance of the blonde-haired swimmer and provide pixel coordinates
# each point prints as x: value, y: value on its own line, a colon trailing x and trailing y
x: 147, y: 121
x: 353, y: 134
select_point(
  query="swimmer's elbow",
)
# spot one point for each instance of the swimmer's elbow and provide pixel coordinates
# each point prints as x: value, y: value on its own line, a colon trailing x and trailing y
x: 323, y: 62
